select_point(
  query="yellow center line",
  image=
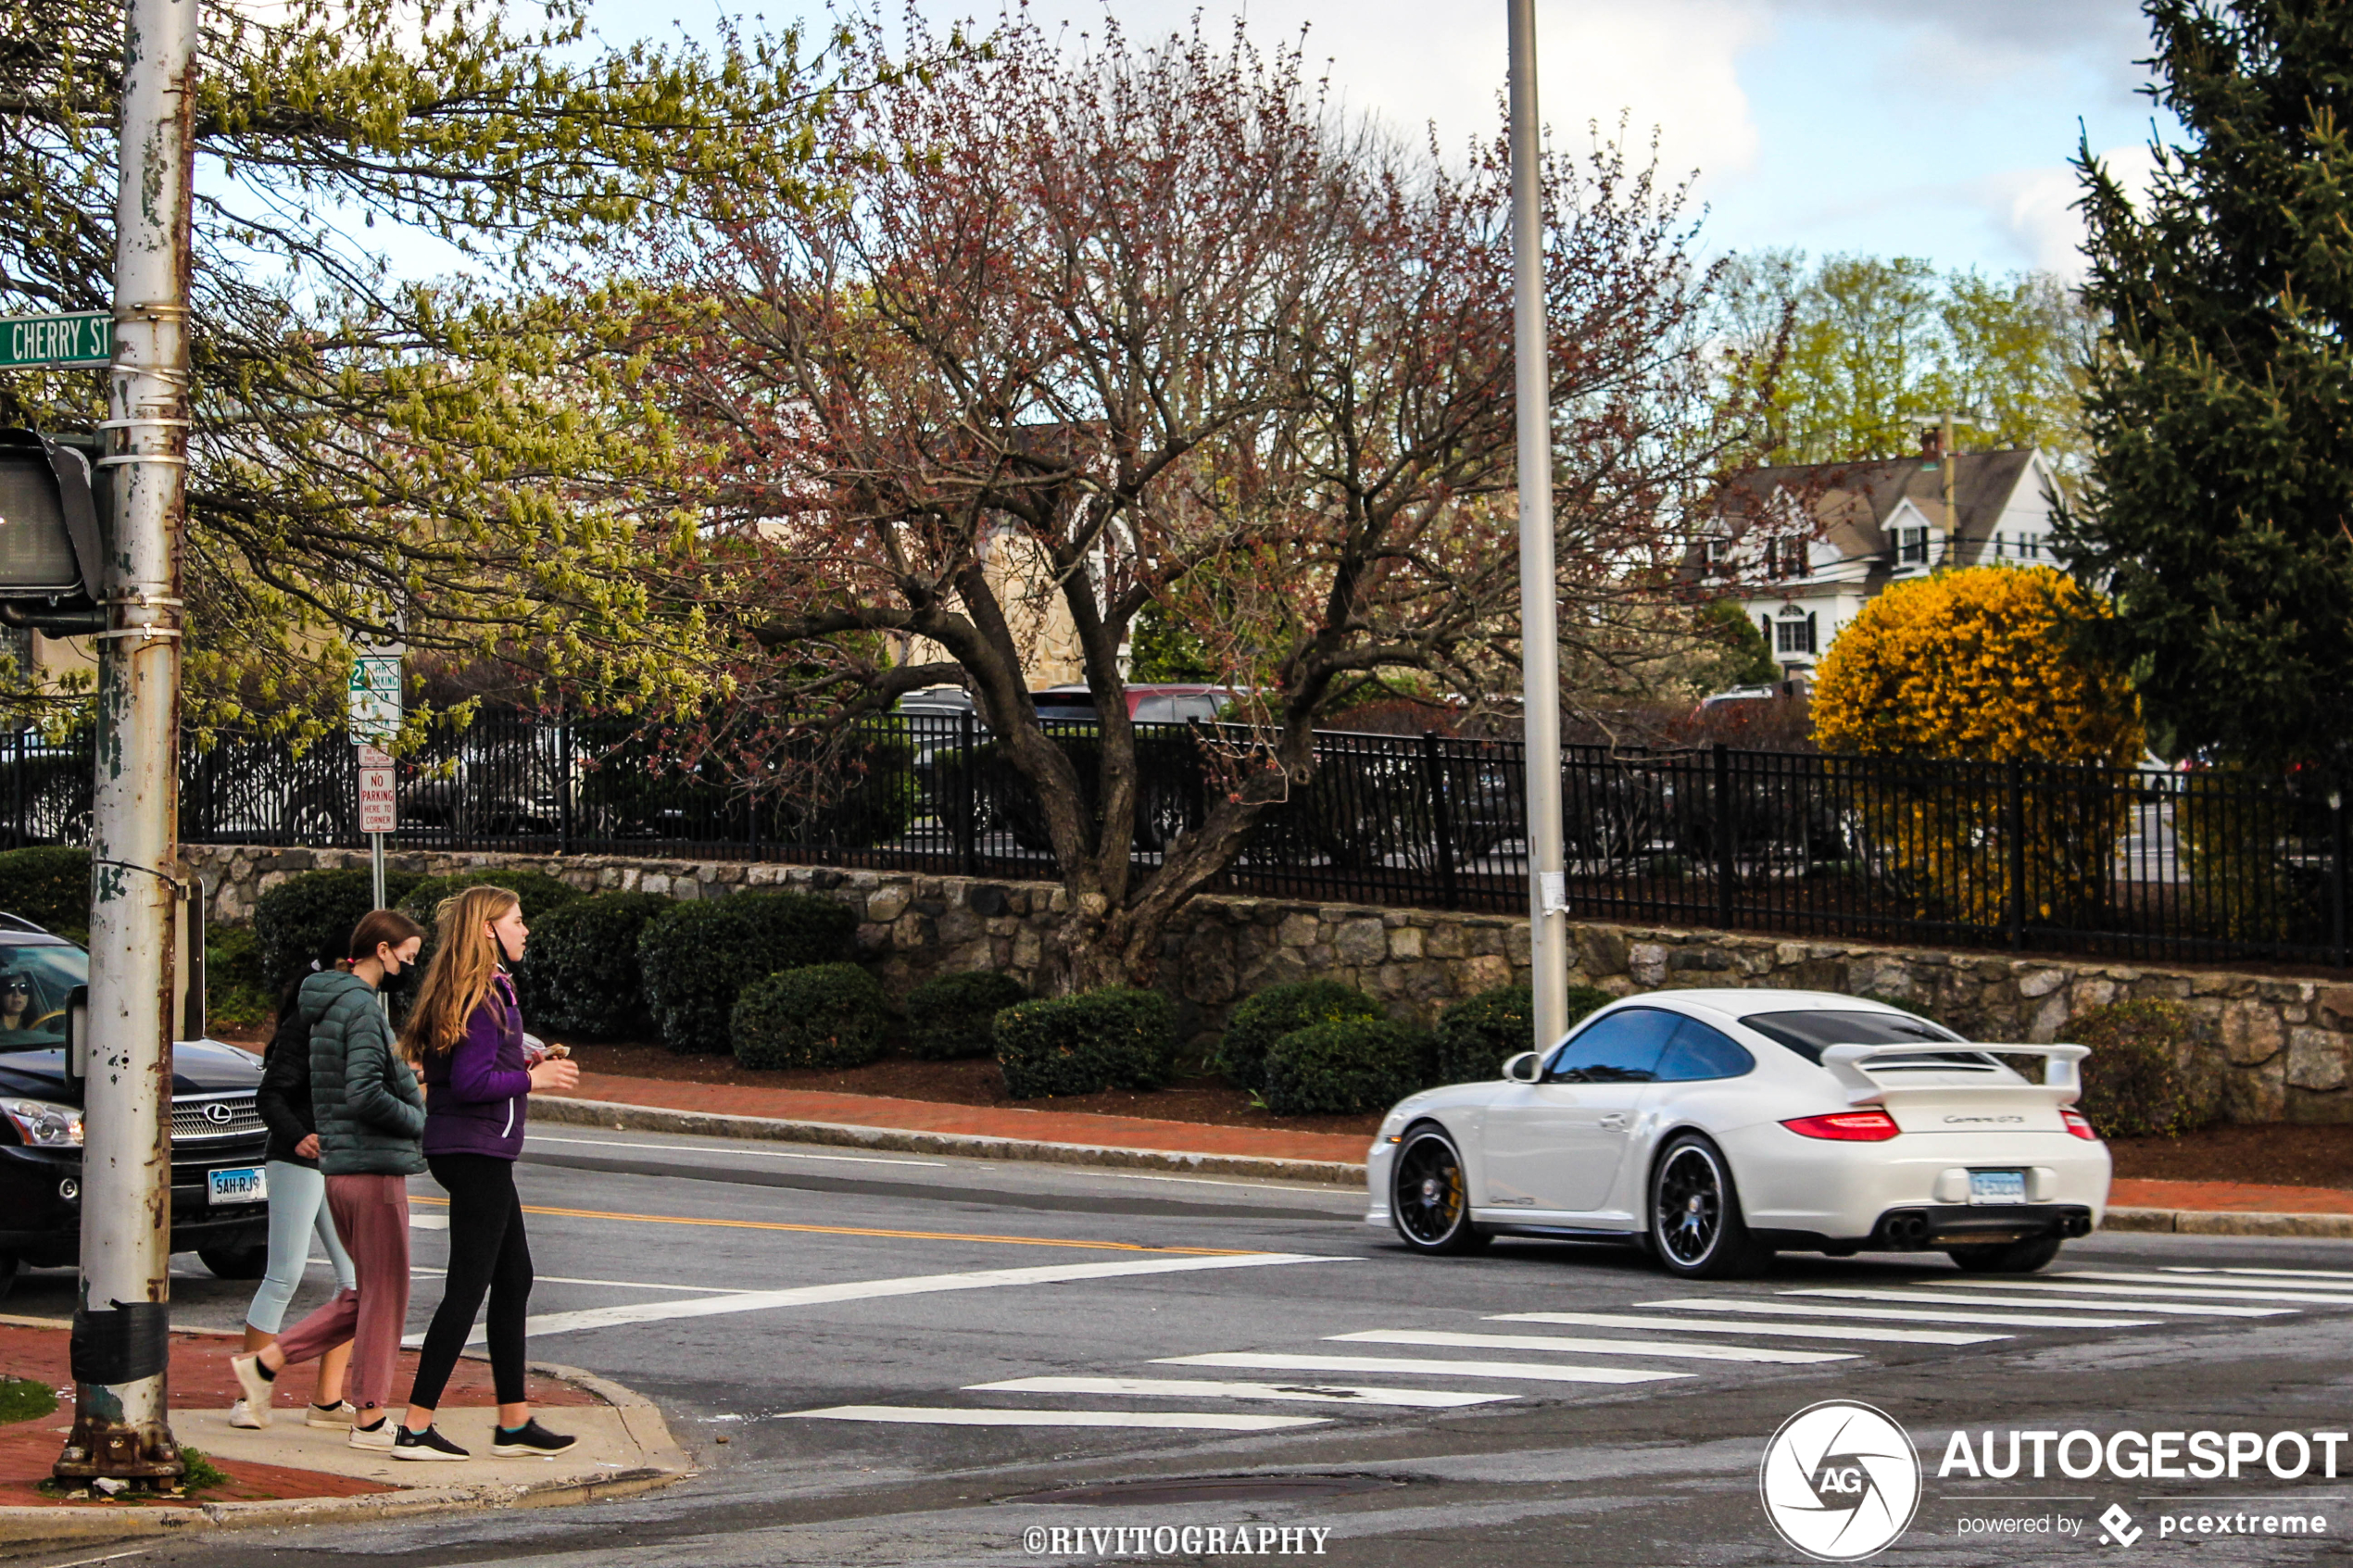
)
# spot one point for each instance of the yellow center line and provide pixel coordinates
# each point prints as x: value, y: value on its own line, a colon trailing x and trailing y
x: 861, y: 1230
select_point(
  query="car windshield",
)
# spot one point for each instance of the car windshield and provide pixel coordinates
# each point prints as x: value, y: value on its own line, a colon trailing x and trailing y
x: 1808, y: 1033
x: 34, y: 983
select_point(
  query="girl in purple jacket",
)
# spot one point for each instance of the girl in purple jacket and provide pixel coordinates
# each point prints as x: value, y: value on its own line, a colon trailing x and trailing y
x: 465, y: 1034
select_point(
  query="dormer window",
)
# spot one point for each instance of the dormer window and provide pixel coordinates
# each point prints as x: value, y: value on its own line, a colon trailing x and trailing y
x: 1911, y: 544
x: 1785, y: 558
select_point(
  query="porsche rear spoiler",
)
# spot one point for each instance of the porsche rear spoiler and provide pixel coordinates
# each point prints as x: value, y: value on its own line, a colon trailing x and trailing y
x: 2062, y: 1080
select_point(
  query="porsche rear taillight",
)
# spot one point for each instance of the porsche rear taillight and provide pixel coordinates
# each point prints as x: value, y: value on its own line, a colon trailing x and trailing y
x: 1846, y: 1126
x: 2076, y: 1124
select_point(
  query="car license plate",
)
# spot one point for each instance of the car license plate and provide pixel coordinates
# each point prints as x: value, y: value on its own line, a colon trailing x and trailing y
x: 247, y: 1184
x: 1997, y: 1186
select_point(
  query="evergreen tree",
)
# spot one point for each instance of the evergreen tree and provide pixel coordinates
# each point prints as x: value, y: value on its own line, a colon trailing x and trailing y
x: 2221, y: 404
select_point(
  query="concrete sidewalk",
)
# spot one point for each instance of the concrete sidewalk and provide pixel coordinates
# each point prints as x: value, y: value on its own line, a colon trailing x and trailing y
x: 656, y: 1105
x: 289, y: 1473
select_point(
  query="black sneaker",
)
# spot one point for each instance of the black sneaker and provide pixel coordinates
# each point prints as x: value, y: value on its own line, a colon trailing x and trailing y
x: 426, y: 1445
x: 530, y: 1438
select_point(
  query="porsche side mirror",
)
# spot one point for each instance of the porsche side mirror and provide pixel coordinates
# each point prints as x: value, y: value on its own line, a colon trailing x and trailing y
x: 1524, y: 1068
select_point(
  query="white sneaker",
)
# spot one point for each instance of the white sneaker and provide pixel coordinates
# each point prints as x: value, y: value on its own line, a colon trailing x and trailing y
x: 241, y: 1414
x: 257, y: 1388
x: 333, y: 1418
x: 378, y: 1438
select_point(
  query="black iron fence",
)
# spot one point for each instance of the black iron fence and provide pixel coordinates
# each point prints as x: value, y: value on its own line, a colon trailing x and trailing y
x: 2139, y: 863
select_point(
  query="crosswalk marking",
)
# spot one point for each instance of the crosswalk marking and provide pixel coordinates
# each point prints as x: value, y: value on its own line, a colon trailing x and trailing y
x: 2198, y: 1292
x: 1159, y: 1421
x: 1667, y: 1347
x: 1207, y: 1388
x: 1791, y: 1330
x: 1276, y: 1361
x: 1885, y: 1314
x: 2337, y: 1274
x: 2172, y: 1309
x: 2208, y: 1283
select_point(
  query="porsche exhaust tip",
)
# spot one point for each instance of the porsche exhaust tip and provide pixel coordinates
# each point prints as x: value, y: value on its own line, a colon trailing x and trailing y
x: 1904, y: 1231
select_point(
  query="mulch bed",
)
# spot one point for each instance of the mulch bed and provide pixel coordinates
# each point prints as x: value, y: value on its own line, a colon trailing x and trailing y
x: 977, y: 1082
x: 2265, y: 1153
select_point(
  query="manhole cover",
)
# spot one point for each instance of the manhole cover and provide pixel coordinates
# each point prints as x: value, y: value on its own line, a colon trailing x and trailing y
x: 1211, y: 1488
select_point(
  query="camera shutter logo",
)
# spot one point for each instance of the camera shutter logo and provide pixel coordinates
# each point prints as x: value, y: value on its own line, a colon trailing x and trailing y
x: 1840, y: 1481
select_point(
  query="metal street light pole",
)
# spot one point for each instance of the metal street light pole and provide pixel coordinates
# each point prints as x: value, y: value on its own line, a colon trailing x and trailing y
x: 1538, y: 630
x: 121, y: 1322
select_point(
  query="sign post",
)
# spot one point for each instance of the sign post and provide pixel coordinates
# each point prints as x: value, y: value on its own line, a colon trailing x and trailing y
x: 375, y: 709
x: 121, y: 1320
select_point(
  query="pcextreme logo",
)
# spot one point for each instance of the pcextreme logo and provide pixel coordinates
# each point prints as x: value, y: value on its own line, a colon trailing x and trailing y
x: 1840, y: 1481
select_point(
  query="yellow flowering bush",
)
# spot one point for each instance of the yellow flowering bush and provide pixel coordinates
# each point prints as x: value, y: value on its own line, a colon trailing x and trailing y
x: 1977, y: 666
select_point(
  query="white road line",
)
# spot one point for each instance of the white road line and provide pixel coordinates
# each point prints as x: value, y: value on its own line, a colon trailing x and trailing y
x: 872, y: 1289
x: 2210, y: 1284
x: 428, y: 1221
x: 1667, y: 1348
x: 2171, y: 1309
x: 1205, y: 1388
x: 1884, y: 1315
x: 1157, y: 1420
x: 1720, y: 1325
x: 2285, y: 1274
x: 539, y: 1139
x: 1535, y: 1372
x: 2200, y: 1292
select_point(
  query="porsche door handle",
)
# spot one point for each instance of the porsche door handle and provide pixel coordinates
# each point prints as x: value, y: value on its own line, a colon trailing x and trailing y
x: 1615, y: 1120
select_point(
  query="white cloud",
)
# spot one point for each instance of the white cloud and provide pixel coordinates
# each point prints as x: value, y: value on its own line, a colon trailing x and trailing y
x: 2036, y: 206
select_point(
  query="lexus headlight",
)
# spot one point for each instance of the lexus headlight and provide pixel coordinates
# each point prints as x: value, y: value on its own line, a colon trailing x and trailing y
x: 44, y: 1125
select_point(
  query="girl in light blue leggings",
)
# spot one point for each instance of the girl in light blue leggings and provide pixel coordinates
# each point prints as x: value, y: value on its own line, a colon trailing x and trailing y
x: 297, y: 1212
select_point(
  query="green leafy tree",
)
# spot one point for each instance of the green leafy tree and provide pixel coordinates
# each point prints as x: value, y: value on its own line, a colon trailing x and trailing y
x: 1873, y: 343
x: 455, y: 453
x: 2219, y: 409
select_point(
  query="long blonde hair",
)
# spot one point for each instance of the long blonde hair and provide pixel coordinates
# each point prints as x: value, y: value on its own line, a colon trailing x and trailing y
x: 465, y: 961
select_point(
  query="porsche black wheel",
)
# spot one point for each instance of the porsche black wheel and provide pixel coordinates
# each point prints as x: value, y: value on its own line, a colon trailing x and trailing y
x: 1430, y: 1194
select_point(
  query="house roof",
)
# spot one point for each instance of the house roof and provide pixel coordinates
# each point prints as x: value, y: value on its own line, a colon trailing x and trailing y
x: 1851, y: 503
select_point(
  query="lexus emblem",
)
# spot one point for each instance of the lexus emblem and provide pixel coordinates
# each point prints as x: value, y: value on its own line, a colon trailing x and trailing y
x: 217, y: 1114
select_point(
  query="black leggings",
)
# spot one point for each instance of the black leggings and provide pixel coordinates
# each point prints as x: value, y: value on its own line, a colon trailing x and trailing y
x: 487, y: 1251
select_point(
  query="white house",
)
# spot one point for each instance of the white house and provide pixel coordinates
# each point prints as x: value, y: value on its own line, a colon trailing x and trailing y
x: 1802, y: 548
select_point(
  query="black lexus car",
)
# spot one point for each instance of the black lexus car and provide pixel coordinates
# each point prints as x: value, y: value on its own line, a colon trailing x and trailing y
x: 220, y: 1207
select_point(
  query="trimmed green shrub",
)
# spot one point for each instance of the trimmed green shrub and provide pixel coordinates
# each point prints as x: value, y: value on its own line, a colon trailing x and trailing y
x: 540, y: 893
x: 1118, y: 1038
x: 952, y: 1016
x: 1478, y: 1034
x: 1267, y: 1016
x: 2133, y: 1084
x: 1346, y: 1068
x: 310, y: 915
x: 581, y: 972
x: 233, y: 989
x: 48, y: 885
x: 697, y: 958
x: 824, y: 1015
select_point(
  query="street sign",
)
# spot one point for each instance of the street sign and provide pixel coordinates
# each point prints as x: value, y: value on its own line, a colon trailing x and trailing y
x: 81, y: 337
x: 374, y: 698
x: 378, y: 809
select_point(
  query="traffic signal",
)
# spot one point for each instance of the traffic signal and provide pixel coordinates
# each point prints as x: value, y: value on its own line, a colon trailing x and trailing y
x: 49, y: 551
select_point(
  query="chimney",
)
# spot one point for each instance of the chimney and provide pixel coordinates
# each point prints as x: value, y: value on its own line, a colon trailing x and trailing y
x: 1932, y: 444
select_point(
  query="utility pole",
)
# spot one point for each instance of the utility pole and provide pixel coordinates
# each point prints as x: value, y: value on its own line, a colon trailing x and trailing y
x: 1539, y: 627
x: 121, y: 1322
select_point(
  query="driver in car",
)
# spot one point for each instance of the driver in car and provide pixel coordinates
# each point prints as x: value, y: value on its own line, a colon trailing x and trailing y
x: 16, y: 1005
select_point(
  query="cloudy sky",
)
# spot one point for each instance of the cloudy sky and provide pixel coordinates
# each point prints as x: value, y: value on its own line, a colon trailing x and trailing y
x: 1931, y: 128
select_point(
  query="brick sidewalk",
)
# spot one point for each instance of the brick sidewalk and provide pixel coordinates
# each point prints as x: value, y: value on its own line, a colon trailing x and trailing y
x: 2231, y: 1197
x: 974, y: 1121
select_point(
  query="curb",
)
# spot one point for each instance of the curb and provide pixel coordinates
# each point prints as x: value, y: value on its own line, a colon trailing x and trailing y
x: 24, y: 1526
x: 2228, y: 1222
x: 967, y: 1146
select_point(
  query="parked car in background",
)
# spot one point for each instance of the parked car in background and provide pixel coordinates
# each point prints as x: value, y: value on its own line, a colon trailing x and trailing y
x: 219, y: 1189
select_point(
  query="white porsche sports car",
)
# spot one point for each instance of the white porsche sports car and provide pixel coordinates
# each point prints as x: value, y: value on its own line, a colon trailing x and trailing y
x: 1719, y: 1127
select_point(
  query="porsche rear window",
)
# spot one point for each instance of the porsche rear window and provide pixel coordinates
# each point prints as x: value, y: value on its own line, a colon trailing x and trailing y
x: 1808, y: 1033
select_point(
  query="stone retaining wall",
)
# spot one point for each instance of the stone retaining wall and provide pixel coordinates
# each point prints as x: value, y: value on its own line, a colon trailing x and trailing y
x: 2286, y: 1046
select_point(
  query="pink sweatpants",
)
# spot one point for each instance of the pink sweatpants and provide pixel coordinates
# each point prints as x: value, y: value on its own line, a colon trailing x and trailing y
x: 372, y: 1215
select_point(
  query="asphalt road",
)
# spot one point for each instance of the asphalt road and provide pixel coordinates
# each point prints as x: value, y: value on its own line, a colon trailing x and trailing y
x: 898, y: 1353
